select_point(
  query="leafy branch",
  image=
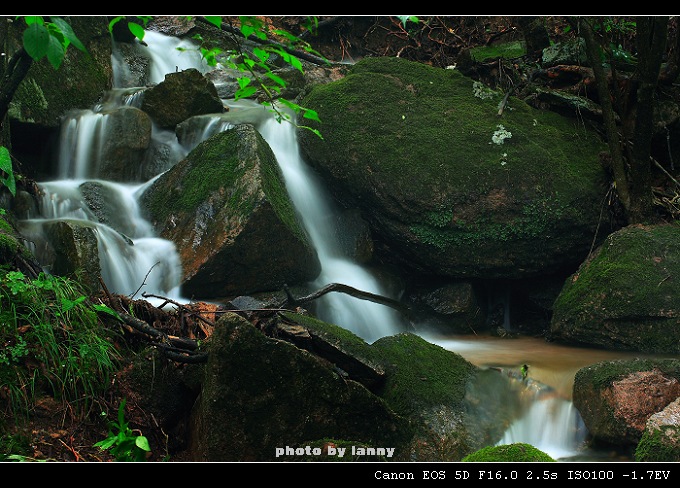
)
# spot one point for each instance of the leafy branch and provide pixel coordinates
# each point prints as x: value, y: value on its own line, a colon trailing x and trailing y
x: 256, y: 63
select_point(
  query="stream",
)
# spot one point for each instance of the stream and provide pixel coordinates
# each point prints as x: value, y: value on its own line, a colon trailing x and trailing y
x: 551, y: 423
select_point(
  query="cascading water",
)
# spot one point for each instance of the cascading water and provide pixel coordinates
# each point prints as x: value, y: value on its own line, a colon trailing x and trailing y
x: 550, y: 423
x: 132, y: 258
x: 368, y: 320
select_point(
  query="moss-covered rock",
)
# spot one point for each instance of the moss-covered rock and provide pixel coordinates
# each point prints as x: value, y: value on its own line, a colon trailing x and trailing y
x: 625, y: 296
x: 43, y: 98
x: 616, y: 398
x: 660, y: 441
x: 260, y: 394
x: 180, y: 96
x: 452, y: 407
x: 452, y: 187
x: 440, y: 391
x: 509, y: 453
x: 226, y: 208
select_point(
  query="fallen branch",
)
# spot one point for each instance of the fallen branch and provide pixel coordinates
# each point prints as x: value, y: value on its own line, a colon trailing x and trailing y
x: 356, y: 293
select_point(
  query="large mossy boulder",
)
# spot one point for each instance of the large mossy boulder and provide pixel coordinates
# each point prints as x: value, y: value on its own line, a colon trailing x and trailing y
x: 624, y: 296
x: 226, y: 208
x: 455, y: 406
x: 447, y: 184
x: 260, y: 394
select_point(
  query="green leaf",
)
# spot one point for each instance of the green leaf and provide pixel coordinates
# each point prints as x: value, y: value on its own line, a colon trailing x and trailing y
x: 68, y: 33
x: 296, y: 63
x: 107, y: 310
x: 6, y: 167
x: 310, y: 114
x: 245, y: 92
x: 106, y: 443
x: 33, y: 19
x: 314, y: 131
x: 67, y: 304
x: 5, y: 160
x: 214, y: 20
x: 36, y: 40
x: 114, y: 21
x: 137, y: 30
x: 55, y: 52
x: 261, y: 53
x: 276, y: 79
x: 143, y: 443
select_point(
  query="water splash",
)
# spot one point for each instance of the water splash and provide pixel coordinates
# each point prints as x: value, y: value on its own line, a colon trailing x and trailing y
x: 551, y: 424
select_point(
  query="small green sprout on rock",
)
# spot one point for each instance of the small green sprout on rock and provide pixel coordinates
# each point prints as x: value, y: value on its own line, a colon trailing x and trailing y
x: 525, y: 371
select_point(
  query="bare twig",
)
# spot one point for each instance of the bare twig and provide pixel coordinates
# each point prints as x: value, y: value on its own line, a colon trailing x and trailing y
x: 363, y: 295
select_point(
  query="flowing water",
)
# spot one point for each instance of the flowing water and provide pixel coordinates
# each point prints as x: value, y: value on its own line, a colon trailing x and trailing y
x: 134, y: 259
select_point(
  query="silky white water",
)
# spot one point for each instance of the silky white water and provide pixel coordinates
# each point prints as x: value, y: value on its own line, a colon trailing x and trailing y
x: 367, y: 319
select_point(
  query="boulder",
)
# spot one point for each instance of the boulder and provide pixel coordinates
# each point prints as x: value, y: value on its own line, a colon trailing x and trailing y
x: 181, y: 95
x: 260, y: 394
x: 447, y: 185
x: 617, y: 398
x: 227, y: 210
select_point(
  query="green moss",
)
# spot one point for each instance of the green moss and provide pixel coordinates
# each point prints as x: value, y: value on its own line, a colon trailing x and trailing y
x: 631, y: 269
x: 656, y: 445
x: 32, y: 100
x: 225, y: 163
x: 421, y: 374
x: 5, y: 226
x: 517, y: 453
x: 348, y: 339
x: 536, y: 218
x: 8, y: 245
x: 432, y: 145
x: 602, y: 375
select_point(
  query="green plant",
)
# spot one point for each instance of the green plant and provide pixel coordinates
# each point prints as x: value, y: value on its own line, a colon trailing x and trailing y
x: 52, y: 343
x: 124, y: 443
x: 6, y: 169
x: 49, y: 38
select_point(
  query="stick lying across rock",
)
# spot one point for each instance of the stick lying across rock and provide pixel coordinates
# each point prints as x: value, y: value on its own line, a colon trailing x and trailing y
x: 339, y: 287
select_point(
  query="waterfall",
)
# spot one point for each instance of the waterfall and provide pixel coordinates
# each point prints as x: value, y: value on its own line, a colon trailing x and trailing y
x: 368, y: 320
